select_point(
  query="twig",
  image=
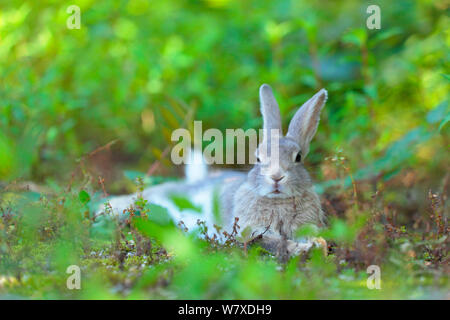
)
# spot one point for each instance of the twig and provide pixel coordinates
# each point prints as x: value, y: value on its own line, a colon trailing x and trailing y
x: 101, y: 182
x: 87, y: 156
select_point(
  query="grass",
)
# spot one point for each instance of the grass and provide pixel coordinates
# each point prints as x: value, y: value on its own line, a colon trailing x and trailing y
x: 143, y: 255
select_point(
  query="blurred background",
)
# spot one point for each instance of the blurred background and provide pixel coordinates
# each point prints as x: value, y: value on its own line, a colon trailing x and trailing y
x: 84, y: 112
x: 136, y: 70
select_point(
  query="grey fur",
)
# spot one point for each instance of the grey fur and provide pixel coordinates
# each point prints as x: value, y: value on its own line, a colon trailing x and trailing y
x: 304, y: 124
x: 269, y: 110
x: 276, y: 216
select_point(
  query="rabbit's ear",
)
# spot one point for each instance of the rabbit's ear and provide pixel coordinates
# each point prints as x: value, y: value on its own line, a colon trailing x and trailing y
x: 270, y: 111
x: 304, y: 124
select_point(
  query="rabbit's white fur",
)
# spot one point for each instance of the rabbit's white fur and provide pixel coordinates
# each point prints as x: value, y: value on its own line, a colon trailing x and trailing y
x: 199, y: 187
x: 273, y: 199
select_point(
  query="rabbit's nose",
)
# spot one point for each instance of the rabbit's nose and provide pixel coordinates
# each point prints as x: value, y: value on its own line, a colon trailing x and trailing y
x: 277, y: 178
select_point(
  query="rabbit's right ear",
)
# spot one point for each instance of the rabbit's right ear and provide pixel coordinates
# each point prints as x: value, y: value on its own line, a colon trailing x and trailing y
x: 270, y: 111
x: 304, y: 124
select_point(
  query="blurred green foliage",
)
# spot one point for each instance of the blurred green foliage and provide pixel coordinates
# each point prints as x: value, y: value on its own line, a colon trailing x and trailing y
x: 138, y: 69
x: 147, y: 256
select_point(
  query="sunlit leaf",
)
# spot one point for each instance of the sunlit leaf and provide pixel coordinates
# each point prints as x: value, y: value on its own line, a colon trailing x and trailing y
x: 184, y: 203
x: 84, y: 197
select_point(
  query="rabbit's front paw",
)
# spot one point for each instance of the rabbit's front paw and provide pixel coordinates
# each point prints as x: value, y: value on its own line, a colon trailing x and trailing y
x: 296, y: 248
x: 321, y: 243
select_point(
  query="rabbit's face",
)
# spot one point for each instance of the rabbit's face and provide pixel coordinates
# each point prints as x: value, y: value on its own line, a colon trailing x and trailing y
x: 279, y: 174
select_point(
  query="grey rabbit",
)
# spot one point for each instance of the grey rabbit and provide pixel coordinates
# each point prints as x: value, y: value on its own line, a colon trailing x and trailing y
x: 273, y: 200
x: 277, y: 195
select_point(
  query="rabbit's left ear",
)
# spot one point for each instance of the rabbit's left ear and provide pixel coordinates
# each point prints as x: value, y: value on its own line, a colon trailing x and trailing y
x: 304, y: 124
x: 270, y: 112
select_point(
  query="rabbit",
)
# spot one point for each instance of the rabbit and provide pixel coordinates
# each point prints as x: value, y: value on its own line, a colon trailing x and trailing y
x: 277, y: 195
x: 272, y: 200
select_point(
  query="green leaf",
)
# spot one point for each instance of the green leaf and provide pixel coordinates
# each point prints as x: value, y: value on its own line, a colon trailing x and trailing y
x: 158, y: 225
x: 246, y: 234
x: 159, y: 215
x: 343, y: 231
x: 357, y: 37
x: 307, y: 230
x: 184, y: 203
x: 84, y: 197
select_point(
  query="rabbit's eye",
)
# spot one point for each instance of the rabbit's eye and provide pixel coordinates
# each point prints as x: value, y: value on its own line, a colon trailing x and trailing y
x: 298, y: 158
x: 258, y: 159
